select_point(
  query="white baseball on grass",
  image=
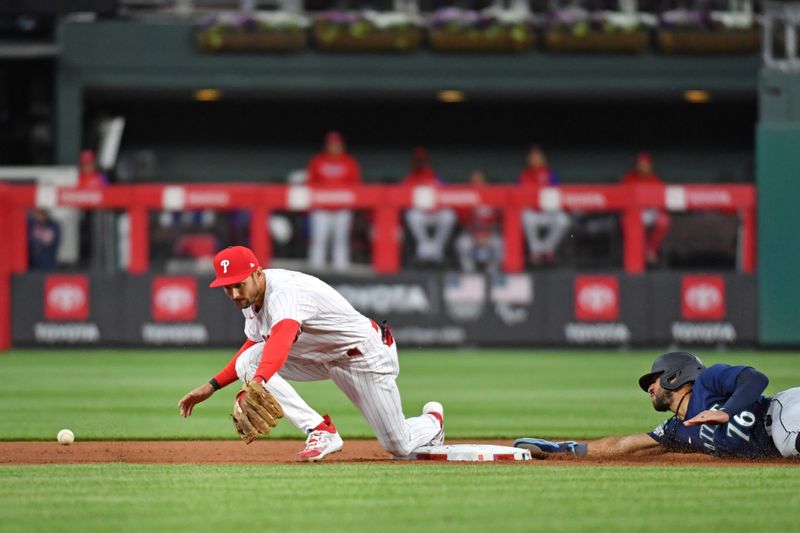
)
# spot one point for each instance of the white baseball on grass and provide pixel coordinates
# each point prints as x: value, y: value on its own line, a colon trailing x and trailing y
x: 65, y: 437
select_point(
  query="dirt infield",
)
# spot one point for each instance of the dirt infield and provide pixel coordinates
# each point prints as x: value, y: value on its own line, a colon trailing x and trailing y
x: 283, y: 451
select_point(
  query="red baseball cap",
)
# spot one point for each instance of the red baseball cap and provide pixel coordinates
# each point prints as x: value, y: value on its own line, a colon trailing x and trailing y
x: 233, y: 264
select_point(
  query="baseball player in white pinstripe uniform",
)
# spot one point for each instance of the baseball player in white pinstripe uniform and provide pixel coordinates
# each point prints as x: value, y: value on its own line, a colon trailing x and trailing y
x: 299, y: 328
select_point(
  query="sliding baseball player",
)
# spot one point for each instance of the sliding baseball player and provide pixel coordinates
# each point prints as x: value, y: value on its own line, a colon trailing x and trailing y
x: 719, y: 410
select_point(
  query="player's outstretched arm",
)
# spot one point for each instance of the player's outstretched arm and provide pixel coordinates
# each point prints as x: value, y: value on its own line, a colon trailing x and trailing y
x: 200, y: 394
x: 708, y: 417
x: 642, y: 444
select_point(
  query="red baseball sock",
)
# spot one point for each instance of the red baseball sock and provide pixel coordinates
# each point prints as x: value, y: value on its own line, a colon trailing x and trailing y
x: 326, y: 425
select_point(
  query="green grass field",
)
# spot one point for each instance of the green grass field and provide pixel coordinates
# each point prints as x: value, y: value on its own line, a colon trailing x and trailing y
x: 133, y: 395
x: 396, y: 498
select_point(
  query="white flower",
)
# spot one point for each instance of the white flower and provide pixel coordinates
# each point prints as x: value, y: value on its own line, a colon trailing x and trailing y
x: 622, y: 20
x: 281, y: 18
x: 508, y: 16
x: 733, y: 19
x: 391, y: 19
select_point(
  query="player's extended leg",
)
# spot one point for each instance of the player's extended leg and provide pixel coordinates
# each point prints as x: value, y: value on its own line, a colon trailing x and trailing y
x: 784, y: 412
x: 496, y: 246
x: 531, y: 222
x: 295, y: 409
x: 444, y: 221
x: 320, y: 222
x: 557, y: 224
x: 369, y: 382
x: 418, y: 222
x: 465, y: 246
x: 341, y: 221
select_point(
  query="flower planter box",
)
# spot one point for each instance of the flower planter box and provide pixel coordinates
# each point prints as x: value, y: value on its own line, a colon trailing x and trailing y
x: 477, y: 41
x: 594, y: 41
x: 374, y: 41
x: 709, y: 41
x: 278, y: 41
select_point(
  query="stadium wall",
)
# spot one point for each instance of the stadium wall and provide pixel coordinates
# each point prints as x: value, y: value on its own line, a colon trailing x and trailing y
x: 778, y: 162
x: 426, y: 309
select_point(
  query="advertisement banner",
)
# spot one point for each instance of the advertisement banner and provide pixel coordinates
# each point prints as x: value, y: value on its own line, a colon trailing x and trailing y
x: 702, y: 298
x: 173, y: 299
x: 696, y: 309
x: 596, y: 298
x: 66, y: 298
x: 426, y: 309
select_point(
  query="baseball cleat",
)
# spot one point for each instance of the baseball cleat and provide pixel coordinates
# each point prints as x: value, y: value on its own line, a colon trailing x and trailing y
x: 541, y: 448
x: 324, y: 440
x: 437, y: 411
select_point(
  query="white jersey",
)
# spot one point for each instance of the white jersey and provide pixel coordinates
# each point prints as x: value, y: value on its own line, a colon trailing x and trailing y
x: 329, y: 325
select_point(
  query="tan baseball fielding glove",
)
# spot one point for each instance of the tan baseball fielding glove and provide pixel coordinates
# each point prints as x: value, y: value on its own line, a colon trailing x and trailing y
x: 255, y: 412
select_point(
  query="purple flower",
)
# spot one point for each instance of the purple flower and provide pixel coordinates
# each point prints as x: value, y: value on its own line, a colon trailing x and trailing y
x: 485, y: 22
x: 344, y: 18
x: 685, y: 18
x: 208, y: 22
x: 455, y: 16
x: 568, y: 17
x: 246, y: 22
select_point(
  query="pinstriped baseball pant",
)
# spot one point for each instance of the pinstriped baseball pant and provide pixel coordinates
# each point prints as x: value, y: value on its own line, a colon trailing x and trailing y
x: 368, y: 380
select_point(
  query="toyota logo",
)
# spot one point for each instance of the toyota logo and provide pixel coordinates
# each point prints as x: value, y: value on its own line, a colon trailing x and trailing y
x: 174, y: 299
x: 66, y: 297
x: 597, y: 298
x: 703, y: 297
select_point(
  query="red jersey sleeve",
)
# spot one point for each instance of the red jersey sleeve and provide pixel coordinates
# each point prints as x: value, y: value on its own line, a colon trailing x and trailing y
x: 227, y: 375
x: 276, y: 349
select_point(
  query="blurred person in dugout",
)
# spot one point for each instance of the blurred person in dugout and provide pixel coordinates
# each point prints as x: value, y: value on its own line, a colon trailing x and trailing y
x: 480, y: 244
x: 44, y: 237
x: 333, y: 167
x: 544, y: 230
x: 88, y: 174
x: 431, y: 228
x: 656, y: 221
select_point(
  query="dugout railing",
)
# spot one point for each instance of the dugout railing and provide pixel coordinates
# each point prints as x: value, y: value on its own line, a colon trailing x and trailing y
x: 385, y: 202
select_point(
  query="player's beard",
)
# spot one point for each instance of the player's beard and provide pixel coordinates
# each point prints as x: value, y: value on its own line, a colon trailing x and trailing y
x: 662, y: 400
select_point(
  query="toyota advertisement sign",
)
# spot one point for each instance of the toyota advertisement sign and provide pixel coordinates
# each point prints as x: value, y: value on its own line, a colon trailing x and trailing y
x: 173, y: 309
x: 696, y: 309
x: 173, y: 299
x: 66, y: 298
x: 435, y: 309
x: 596, y: 298
x: 703, y: 298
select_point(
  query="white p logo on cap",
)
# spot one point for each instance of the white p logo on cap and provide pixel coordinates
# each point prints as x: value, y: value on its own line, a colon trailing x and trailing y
x: 224, y: 264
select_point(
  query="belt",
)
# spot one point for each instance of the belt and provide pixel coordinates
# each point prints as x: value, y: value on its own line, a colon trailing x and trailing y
x: 386, y: 337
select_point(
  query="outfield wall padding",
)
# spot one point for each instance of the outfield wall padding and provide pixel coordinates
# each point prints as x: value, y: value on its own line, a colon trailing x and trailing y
x: 438, y: 309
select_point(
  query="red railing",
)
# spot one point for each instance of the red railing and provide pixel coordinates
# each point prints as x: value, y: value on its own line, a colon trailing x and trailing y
x: 385, y: 202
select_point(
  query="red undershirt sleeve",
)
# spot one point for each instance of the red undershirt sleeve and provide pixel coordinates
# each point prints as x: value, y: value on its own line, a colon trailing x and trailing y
x: 227, y: 375
x: 276, y: 349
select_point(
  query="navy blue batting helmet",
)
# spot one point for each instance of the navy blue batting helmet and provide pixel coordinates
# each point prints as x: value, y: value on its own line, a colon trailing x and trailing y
x: 674, y: 370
